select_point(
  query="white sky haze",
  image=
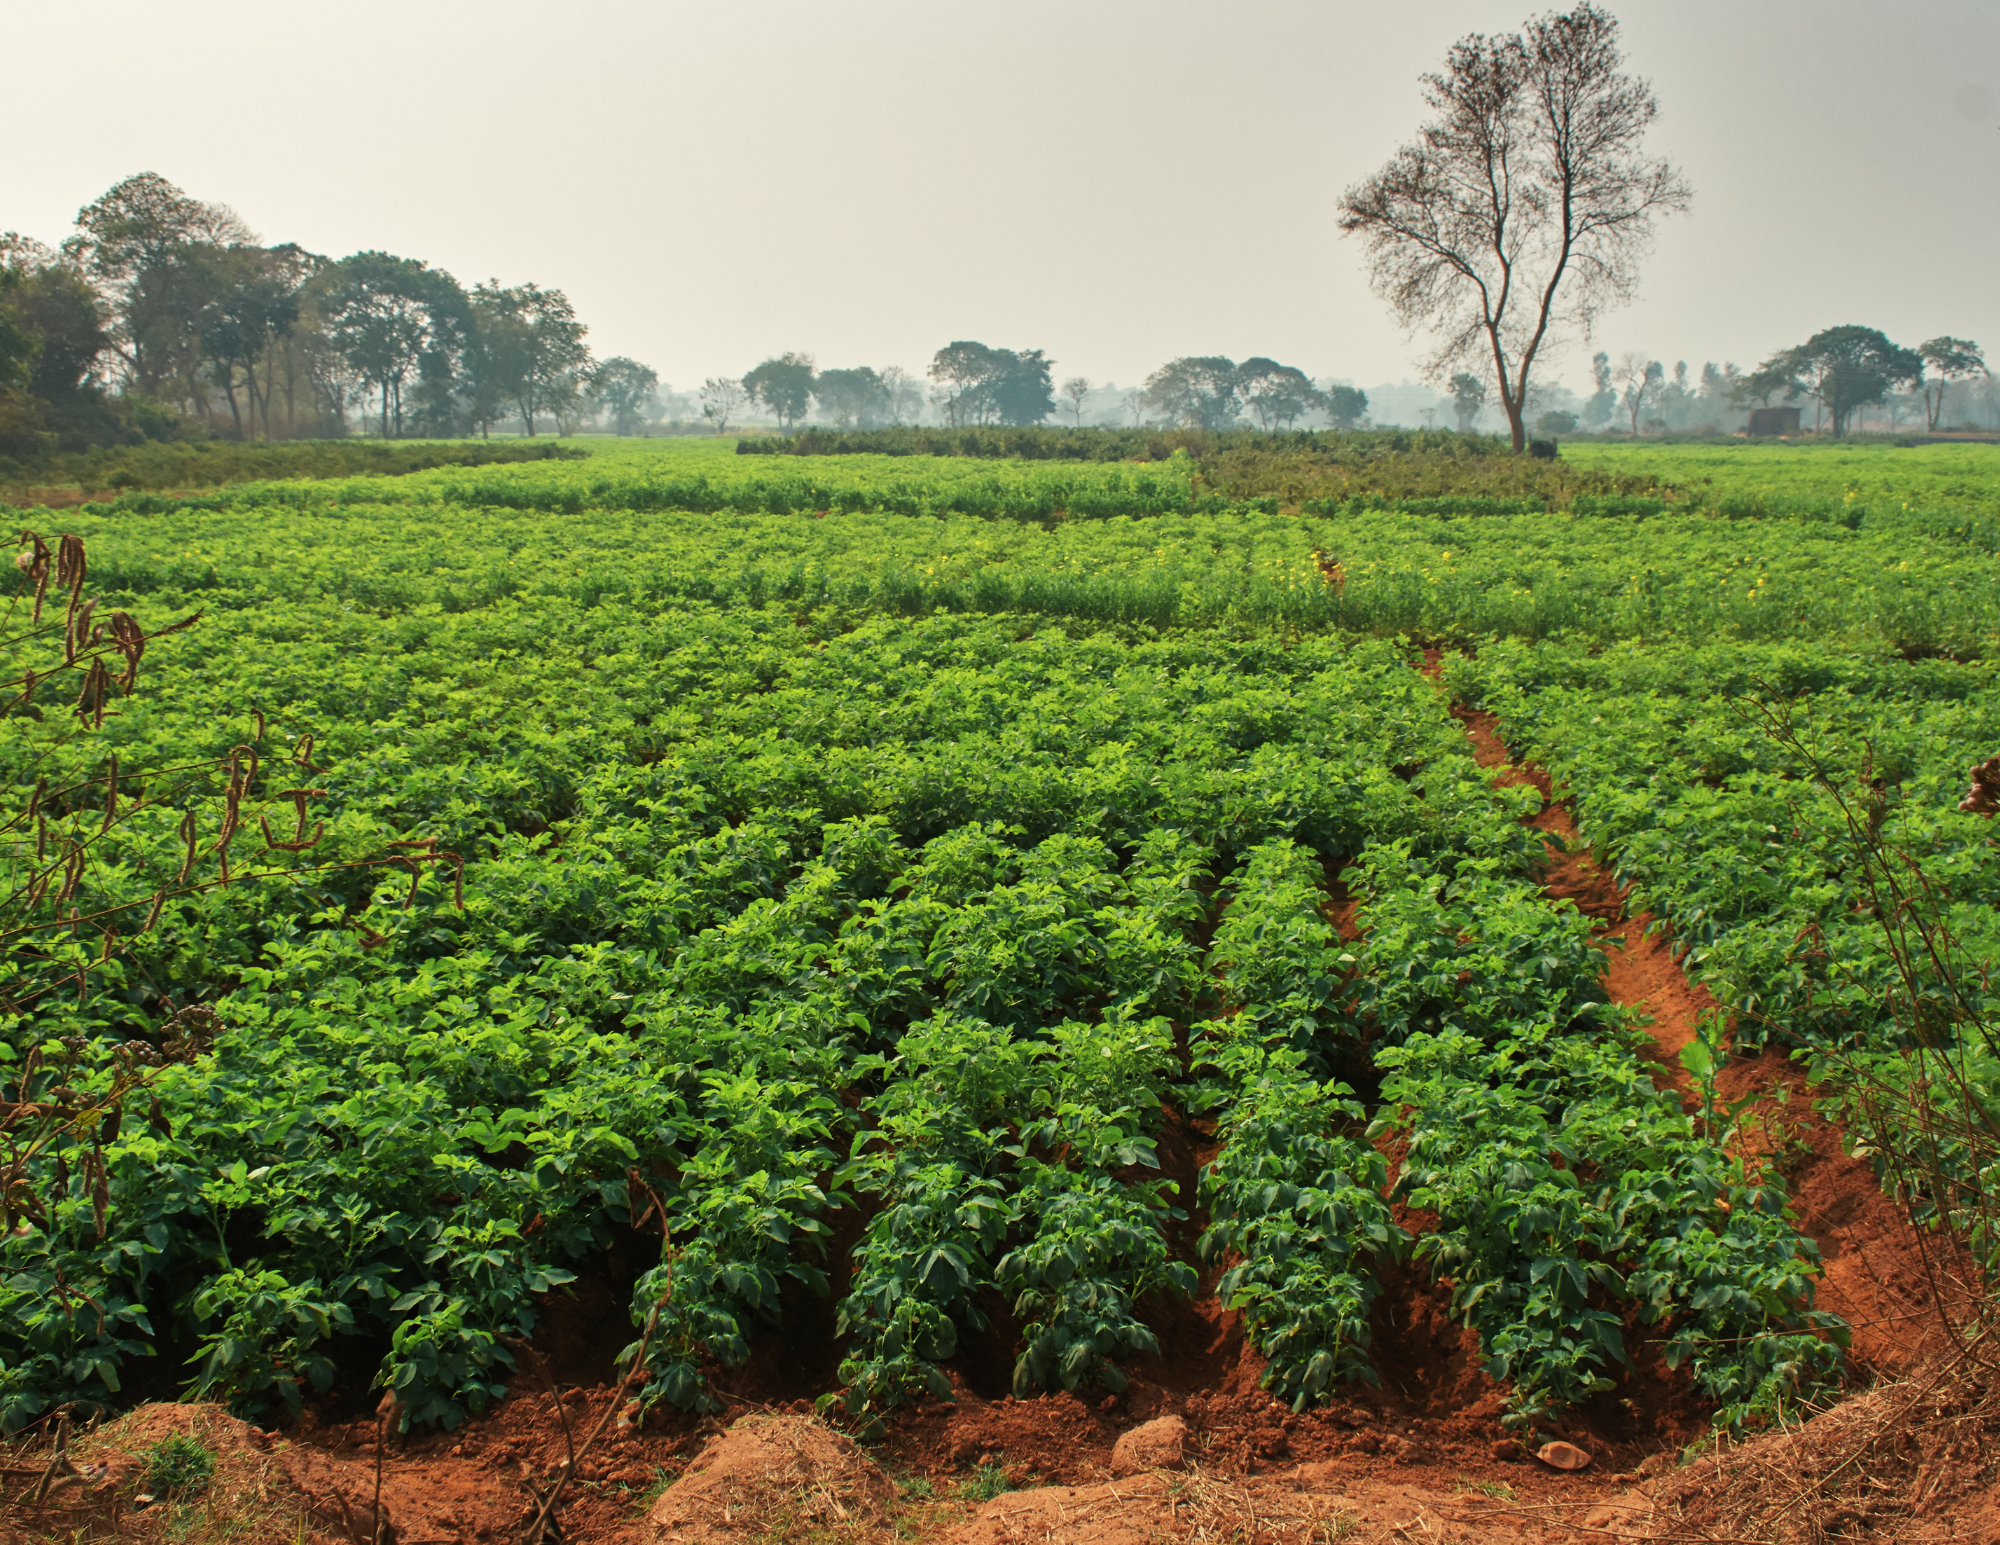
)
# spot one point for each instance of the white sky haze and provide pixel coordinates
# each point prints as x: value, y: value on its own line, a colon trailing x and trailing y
x: 1115, y: 183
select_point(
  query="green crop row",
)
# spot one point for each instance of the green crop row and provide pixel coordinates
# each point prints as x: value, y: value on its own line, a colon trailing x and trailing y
x: 1720, y: 829
x: 893, y: 879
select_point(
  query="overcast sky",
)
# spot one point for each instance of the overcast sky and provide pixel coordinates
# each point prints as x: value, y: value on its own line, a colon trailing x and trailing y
x: 1115, y: 183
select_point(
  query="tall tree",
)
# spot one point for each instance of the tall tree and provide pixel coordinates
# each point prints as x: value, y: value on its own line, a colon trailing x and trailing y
x: 397, y: 322
x: 1639, y: 380
x: 1849, y: 367
x: 1346, y: 406
x: 1523, y: 209
x: 852, y: 399
x: 1603, y: 400
x: 1197, y: 391
x: 1946, y: 360
x: 1024, y: 388
x: 978, y: 384
x: 784, y: 385
x: 1076, y: 392
x: 906, y: 397
x: 1276, y: 393
x: 138, y: 245
x: 533, y: 348
x: 1468, y: 396
x: 964, y: 372
x: 722, y: 398
x: 254, y: 302
x: 627, y: 390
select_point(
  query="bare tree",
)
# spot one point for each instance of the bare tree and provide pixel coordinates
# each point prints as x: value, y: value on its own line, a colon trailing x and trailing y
x: 722, y: 398
x: 906, y: 395
x: 1522, y: 211
x: 1947, y: 360
x: 1639, y: 380
x: 1077, y: 390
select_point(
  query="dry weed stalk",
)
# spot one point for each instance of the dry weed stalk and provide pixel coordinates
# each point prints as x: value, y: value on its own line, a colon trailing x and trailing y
x: 1875, y: 1464
x: 54, y: 840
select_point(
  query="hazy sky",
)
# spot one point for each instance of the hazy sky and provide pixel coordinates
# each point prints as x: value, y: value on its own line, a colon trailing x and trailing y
x: 1114, y: 183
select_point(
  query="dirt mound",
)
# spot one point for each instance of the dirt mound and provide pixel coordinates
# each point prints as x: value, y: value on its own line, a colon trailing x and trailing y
x: 136, y: 1477
x: 773, y: 1477
x: 1911, y: 1460
x: 1160, y: 1444
x: 1307, y: 1505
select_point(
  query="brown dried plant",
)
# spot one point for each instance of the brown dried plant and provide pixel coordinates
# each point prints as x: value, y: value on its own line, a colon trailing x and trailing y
x: 53, y: 836
x: 59, y: 679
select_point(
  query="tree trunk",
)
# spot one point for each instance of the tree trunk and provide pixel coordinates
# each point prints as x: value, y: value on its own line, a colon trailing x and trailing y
x: 250, y: 386
x: 229, y: 391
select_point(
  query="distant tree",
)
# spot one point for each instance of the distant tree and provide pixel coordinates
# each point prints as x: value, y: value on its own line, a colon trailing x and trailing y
x: 1554, y: 424
x: 857, y: 398
x: 396, y: 321
x: 1024, y: 389
x: 1195, y: 391
x: 1468, y: 396
x: 1639, y: 381
x: 1775, y: 375
x: 1076, y: 391
x: 1946, y: 360
x: 133, y: 244
x: 1603, y: 400
x: 55, y: 320
x: 627, y: 390
x: 964, y: 372
x: 1276, y: 393
x: 1849, y: 367
x: 784, y: 385
x: 1718, y: 382
x: 1523, y: 209
x: 906, y: 397
x: 1676, y: 400
x: 534, y: 348
x: 255, y: 301
x: 978, y: 384
x: 1346, y: 406
x: 722, y: 398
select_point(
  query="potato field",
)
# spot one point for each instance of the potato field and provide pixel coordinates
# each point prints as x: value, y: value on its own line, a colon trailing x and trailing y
x: 942, y: 927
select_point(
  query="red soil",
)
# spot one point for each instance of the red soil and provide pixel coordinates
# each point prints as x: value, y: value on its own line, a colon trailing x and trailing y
x: 1875, y: 1273
x: 1420, y: 1446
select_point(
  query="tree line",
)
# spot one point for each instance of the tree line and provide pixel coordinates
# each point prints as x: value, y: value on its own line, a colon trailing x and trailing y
x: 975, y: 384
x: 1841, y: 372
x: 164, y: 315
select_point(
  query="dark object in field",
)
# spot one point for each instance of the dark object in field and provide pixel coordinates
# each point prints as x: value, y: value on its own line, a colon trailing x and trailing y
x: 1542, y: 450
x: 1983, y: 798
x: 1774, y: 421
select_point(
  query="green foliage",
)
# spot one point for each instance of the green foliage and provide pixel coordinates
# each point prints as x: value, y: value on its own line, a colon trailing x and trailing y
x: 911, y: 864
x: 179, y: 1467
x: 985, y: 1483
x: 1565, y: 1182
x: 197, y: 464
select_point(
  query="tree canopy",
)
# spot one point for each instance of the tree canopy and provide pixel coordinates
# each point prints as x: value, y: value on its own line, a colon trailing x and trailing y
x: 784, y: 385
x: 1277, y: 394
x: 163, y: 314
x: 852, y: 399
x: 979, y: 384
x: 1841, y: 368
x: 1525, y: 204
x: 1198, y: 391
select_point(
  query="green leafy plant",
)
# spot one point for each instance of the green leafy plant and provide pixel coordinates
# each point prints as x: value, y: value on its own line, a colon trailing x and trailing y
x: 179, y: 1467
